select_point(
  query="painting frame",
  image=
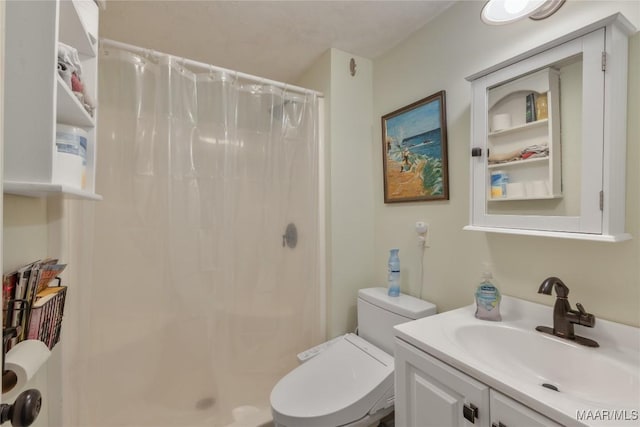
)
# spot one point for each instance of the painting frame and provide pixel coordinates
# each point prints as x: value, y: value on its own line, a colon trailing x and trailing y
x: 414, y: 151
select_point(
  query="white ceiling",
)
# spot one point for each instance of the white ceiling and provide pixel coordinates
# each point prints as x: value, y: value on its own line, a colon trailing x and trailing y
x: 272, y: 39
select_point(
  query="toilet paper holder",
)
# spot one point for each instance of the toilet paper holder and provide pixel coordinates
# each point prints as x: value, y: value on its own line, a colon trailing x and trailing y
x: 24, y: 411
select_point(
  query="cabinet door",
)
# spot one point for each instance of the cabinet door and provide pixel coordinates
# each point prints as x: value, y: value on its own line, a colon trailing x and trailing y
x: 430, y: 393
x: 506, y: 412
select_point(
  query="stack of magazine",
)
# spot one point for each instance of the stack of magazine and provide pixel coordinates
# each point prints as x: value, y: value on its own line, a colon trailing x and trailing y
x: 33, y: 302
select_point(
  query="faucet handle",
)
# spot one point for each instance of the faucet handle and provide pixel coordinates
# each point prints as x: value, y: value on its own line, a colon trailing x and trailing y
x: 581, y: 309
x: 584, y: 318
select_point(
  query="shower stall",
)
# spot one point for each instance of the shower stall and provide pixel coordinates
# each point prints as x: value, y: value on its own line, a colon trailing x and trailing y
x: 204, y: 277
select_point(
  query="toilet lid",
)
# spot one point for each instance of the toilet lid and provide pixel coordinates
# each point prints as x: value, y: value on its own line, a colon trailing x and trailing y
x: 337, y: 387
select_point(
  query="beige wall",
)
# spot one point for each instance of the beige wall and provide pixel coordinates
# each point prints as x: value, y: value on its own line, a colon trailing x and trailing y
x: 349, y: 207
x: 604, y: 277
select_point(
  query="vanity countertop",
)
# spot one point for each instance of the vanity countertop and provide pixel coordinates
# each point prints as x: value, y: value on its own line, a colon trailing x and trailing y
x: 510, y: 356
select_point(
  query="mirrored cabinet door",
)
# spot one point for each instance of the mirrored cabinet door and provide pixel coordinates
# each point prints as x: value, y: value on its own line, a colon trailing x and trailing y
x: 539, y: 140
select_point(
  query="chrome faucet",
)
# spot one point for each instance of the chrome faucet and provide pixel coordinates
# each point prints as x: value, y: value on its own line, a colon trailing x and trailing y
x: 564, y: 316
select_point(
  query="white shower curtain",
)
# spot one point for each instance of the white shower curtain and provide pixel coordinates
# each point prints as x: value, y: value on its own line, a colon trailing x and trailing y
x: 198, y: 305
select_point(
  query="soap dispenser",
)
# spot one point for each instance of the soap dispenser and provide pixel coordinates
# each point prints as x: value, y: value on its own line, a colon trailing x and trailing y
x: 487, y: 297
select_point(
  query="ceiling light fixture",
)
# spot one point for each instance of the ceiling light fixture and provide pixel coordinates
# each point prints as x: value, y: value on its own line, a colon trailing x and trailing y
x: 498, y: 12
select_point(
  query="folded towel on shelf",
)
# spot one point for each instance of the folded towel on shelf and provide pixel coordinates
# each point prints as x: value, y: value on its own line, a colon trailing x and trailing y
x: 504, y: 157
x: 530, y: 152
x: 539, y: 150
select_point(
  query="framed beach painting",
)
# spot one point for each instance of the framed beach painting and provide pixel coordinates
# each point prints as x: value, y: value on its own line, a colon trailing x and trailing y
x: 414, y: 146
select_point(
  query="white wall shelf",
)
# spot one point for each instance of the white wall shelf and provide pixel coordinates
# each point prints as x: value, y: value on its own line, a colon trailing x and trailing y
x: 37, y: 99
x: 34, y: 189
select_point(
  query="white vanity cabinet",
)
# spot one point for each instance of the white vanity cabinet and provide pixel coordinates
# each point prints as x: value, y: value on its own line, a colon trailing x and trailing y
x: 37, y: 98
x: 432, y: 393
x: 548, y: 138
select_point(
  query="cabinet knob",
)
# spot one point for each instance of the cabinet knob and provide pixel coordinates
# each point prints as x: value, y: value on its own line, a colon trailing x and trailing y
x: 470, y: 412
x: 476, y: 152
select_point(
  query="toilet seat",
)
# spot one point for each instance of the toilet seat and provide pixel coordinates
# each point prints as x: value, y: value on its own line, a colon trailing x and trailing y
x: 344, y: 383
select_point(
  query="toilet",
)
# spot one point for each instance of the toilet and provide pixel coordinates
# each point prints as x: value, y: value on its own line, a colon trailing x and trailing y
x: 351, y: 382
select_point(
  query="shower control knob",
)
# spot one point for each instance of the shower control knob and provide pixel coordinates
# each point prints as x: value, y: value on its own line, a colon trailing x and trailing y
x: 24, y: 410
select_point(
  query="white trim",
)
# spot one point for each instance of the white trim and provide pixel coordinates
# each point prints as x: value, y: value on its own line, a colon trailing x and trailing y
x: 610, y: 238
x: 615, y: 128
x: 322, y: 227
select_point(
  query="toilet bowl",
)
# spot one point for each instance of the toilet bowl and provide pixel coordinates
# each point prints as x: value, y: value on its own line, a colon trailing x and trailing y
x: 350, y: 383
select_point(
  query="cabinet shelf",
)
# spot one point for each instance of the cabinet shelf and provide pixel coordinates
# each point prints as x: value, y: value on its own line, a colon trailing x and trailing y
x: 518, y: 162
x: 73, y: 31
x: 542, y: 123
x: 36, y: 189
x: 70, y: 111
x: 512, y: 199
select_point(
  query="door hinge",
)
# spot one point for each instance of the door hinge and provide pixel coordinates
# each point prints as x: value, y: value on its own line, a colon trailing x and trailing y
x: 601, y: 200
x: 604, y: 61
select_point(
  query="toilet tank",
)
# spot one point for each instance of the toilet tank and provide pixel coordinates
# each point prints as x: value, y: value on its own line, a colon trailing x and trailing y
x: 378, y: 313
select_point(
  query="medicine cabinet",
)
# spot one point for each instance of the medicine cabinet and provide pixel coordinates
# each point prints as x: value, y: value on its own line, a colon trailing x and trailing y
x: 38, y: 99
x: 548, y: 138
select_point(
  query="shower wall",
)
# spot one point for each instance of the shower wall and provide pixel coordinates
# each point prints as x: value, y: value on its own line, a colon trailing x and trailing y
x: 193, y: 305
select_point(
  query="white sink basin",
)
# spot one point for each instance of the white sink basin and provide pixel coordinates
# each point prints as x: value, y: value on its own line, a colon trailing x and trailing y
x: 512, y: 357
x: 541, y: 359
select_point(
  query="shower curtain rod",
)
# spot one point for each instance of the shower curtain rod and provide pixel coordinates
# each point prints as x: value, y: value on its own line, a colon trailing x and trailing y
x: 208, y: 67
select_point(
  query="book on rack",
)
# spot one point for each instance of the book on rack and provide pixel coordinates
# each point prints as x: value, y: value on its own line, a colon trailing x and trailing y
x: 17, y: 304
x: 42, y: 273
x: 8, y: 290
x: 46, y: 315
